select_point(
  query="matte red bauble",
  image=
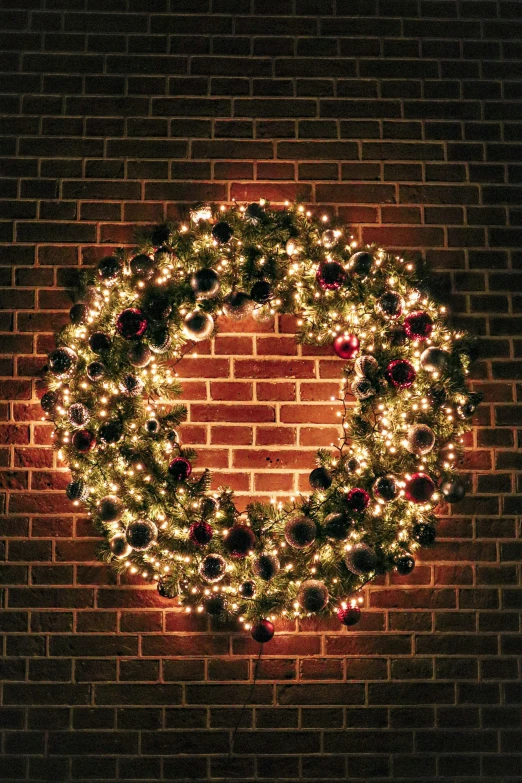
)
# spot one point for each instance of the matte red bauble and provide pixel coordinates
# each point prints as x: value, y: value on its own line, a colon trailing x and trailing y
x: 239, y: 541
x: 200, y: 533
x: 83, y: 441
x: 401, y: 373
x: 419, y: 488
x: 346, y: 346
x: 357, y: 499
x: 131, y: 323
x: 180, y: 468
x: 262, y: 631
x: 418, y: 326
x: 349, y: 616
x: 330, y: 275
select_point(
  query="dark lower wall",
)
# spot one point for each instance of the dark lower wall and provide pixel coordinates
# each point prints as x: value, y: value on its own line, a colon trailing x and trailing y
x: 403, y: 116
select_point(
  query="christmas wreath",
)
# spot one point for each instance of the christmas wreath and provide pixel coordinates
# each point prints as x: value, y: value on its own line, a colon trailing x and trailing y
x: 111, y: 386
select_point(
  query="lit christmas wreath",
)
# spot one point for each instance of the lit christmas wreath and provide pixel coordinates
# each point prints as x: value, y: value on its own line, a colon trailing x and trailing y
x: 373, y: 497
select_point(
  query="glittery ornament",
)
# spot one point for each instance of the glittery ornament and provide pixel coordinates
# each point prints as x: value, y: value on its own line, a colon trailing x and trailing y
x: 162, y: 235
x: 263, y: 631
x: 330, y: 275
x: 152, y: 426
x: 198, y: 325
x: 247, y: 589
x: 131, y: 385
x: 312, y: 596
x: 337, y: 526
x: 320, y: 478
x: 361, y: 263
x: 213, y: 568
x: 78, y: 414
x: 420, y: 439
x: 239, y: 541
x: 390, y: 304
x: 205, y: 283
x: 401, y: 373
x: 366, y: 366
x: 109, y: 269
x: 300, y: 532
x: 237, y: 305
x: 99, y: 342
x: 349, y: 615
x: 418, y: 326
x: 180, y: 469
x: 110, y: 509
x: 434, y: 359
x: 346, y: 346
x: 159, y: 340
x: 77, y: 490
x: 201, y: 533
x: 254, y: 213
x: 328, y: 238
x: 215, y: 605
x: 385, y: 487
x: 119, y: 546
x: 261, y: 292
x: 357, y: 499
x: 424, y: 533
x: 361, y: 560
x: 404, y: 564
x: 131, y: 323
x: 61, y: 361
x: 141, y: 534
x: 419, y: 488
x: 222, y: 232
x: 453, y: 491
x: 142, y: 266
x: 95, y: 371
x: 362, y: 388
x: 266, y: 566
x: 83, y: 441
x: 139, y: 355
x: 79, y: 314
x: 50, y: 401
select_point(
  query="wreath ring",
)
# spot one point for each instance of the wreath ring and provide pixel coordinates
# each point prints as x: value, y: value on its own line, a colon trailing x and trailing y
x: 111, y: 388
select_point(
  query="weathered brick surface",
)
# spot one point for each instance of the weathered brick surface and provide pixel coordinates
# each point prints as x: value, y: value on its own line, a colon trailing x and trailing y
x: 404, y: 118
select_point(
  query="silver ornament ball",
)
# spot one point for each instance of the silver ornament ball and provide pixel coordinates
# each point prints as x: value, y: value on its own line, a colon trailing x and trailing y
x: 360, y: 559
x: 141, y: 534
x: 362, y: 389
x: 420, y: 439
x: 198, y: 325
x: 366, y: 366
x: 434, y: 359
x: 313, y: 596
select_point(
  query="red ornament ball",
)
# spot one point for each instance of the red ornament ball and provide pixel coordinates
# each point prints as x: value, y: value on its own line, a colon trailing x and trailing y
x: 262, y: 631
x: 418, y: 326
x: 401, y: 373
x: 419, y: 488
x: 357, y: 499
x: 330, y: 275
x: 346, y: 346
x: 201, y: 533
x: 83, y: 441
x: 180, y: 468
x: 239, y: 541
x: 349, y: 615
x: 131, y: 323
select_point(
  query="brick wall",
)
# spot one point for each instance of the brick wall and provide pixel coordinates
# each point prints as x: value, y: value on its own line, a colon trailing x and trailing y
x: 121, y: 111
